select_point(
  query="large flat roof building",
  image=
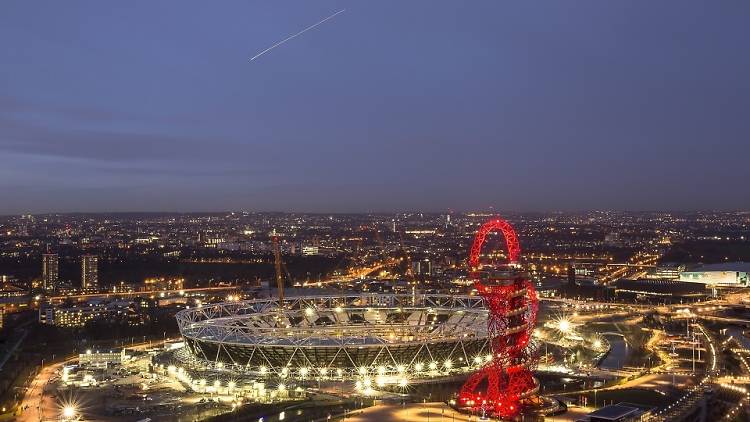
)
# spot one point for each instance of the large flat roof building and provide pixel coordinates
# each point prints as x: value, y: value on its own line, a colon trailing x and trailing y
x: 621, y: 412
x: 730, y: 274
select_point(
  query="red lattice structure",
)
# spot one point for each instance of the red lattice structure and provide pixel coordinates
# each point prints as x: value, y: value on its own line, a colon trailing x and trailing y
x: 506, y: 382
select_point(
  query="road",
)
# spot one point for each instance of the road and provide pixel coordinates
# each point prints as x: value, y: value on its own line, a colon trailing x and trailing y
x: 632, y: 269
x: 437, y: 412
x: 36, y: 406
x: 415, y: 412
x: 355, y: 273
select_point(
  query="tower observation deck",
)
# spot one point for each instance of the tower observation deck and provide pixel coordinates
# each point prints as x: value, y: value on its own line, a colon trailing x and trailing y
x: 505, y: 384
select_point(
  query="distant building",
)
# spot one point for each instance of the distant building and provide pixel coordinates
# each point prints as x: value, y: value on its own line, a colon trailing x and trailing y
x: 621, y: 412
x: 571, y: 274
x: 9, y: 290
x: 89, y: 272
x: 668, y: 271
x: 612, y: 239
x: 550, y: 286
x: 101, y: 359
x: 658, y: 287
x: 310, y: 250
x: 583, y: 273
x: 67, y: 317
x: 78, y: 315
x: 423, y: 267
x: 163, y: 283
x: 716, y: 278
x: 7, y: 279
x: 49, y: 271
x: 725, y: 274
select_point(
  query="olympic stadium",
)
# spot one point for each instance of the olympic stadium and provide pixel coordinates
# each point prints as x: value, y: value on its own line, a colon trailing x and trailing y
x: 385, y: 338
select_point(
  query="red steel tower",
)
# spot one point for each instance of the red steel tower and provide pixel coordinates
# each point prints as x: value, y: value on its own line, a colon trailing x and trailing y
x: 503, y: 385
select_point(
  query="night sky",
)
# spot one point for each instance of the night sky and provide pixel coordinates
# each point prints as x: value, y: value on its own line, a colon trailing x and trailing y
x: 389, y: 106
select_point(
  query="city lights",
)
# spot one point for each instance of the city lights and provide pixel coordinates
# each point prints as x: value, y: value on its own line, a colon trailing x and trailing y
x: 387, y: 336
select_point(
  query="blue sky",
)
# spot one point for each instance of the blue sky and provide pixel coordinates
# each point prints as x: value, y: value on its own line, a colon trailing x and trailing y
x: 391, y: 105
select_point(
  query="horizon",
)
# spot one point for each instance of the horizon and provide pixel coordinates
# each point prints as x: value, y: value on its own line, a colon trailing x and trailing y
x: 477, y: 212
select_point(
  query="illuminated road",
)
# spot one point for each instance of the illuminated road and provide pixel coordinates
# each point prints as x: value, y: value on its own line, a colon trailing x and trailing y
x: 437, y: 412
x: 355, y: 273
x: 633, y: 269
x: 412, y: 412
x: 415, y: 412
x: 629, y: 306
x: 35, y: 403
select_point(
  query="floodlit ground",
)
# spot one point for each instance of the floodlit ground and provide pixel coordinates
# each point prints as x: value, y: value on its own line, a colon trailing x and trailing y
x: 133, y: 393
x: 412, y: 412
x: 426, y: 412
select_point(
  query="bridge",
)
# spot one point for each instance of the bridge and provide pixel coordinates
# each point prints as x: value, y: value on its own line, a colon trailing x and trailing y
x: 167, y: 293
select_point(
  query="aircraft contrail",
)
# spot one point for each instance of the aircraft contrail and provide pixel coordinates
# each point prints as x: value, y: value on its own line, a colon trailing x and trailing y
x: 293, y: 36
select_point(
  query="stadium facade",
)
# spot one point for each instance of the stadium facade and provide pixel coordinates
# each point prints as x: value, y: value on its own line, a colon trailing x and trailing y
x: 380, y: 338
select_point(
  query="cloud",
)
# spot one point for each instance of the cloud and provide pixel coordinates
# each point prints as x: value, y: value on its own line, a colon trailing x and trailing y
x: 120, y: 150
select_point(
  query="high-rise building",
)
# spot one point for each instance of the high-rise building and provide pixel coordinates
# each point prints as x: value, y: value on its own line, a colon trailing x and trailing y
x: 89, y: 272
x: 423, y: 267
x: 571, y: 273
x: 49, y: 271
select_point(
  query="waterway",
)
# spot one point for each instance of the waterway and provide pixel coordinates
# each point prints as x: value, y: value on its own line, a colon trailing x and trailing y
x: 618, y: 353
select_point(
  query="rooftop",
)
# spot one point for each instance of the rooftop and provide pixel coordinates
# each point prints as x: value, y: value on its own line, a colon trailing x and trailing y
x: 614, y: 412
x: 726, y: 266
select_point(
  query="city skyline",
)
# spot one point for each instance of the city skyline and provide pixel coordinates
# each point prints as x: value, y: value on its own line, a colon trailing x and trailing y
x: 424, y: 106
x: 309, y: 316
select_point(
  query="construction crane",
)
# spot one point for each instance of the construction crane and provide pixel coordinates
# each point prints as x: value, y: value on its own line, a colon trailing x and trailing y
x: 277, y: 266
x: 409, y: 273
x: 411, y: 279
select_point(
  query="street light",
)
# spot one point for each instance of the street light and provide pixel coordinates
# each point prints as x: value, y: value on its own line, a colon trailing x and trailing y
x: 68, y: 412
